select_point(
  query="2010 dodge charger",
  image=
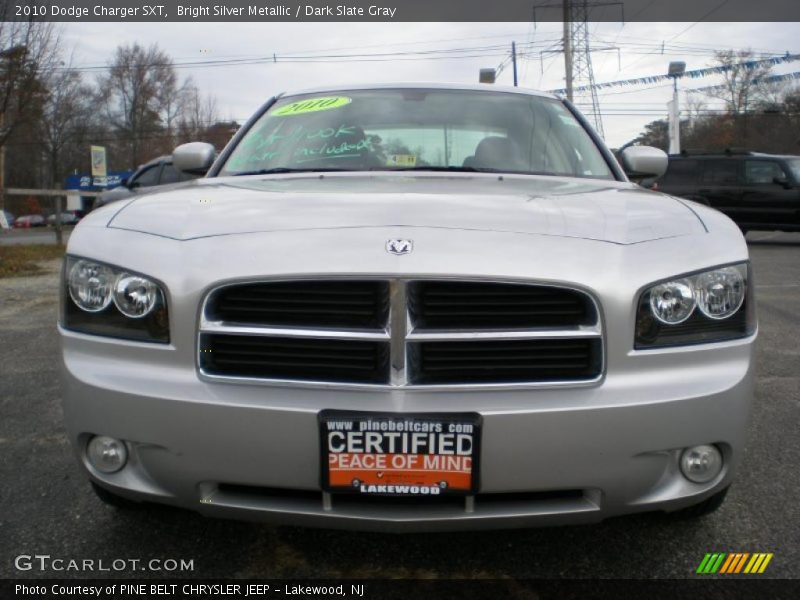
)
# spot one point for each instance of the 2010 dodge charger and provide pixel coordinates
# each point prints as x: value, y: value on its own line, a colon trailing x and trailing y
x: 410, y: 307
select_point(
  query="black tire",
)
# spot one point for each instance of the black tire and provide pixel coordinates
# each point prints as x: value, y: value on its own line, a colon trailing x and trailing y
x: 112, y: 499
x: 706, y: 507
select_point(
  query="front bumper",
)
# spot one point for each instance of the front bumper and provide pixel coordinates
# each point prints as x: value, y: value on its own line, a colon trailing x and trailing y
x: 548, y: 456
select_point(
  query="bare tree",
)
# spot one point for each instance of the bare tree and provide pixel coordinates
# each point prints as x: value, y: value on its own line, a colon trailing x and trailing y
x: 172, y: 100
x: 773, y: 94
x: 28, y: 52
x: 695, y: 109
x: 140, y: 84
x: 739, y: 89
x: 66, y: 113
x: 199, y: 114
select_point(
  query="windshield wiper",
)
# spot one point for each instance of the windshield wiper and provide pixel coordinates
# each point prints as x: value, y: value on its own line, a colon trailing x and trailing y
x: 435, y: 168
x: 278, y: 170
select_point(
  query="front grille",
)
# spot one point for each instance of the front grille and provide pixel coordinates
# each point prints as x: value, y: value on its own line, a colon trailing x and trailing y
x: 505, y: 361
x: 343, y: 361
x: 482, y: 305
x: 345, y: 304
x: 401, y: 333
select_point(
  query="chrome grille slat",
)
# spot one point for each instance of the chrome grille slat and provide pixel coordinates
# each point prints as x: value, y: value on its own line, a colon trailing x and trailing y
x: 342, y: 304
x: 514, y: 361
x: 495, y: 305
x: 355, y: 334
x: 426, y: 333
x: 343, y: 361
x: 444, y: 335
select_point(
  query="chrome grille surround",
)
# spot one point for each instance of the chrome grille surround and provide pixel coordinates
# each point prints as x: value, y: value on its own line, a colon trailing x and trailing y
x: 400, y: 332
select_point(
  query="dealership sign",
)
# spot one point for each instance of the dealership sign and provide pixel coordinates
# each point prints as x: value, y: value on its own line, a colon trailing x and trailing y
x: 99, y: 161
x: 89, y: 183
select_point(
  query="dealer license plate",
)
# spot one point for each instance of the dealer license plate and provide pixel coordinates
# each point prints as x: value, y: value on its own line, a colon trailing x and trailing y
x: 399, y: 455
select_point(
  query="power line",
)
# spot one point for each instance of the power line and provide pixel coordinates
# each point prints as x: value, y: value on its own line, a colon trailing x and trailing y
x: 546, y: 44
x: 300, y: 57
x: 680, y: 33
x: 641, y: 10
x: 703, y: 18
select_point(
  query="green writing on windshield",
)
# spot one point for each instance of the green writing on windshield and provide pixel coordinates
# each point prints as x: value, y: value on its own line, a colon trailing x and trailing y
x: 342, y: 150
x: 311, y: 105
x: 301, y: 133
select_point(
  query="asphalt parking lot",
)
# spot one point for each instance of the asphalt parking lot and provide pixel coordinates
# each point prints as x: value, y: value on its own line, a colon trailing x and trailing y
x: 47, y: 507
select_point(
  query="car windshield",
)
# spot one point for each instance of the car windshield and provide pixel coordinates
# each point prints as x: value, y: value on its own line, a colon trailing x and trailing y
x: 418, y: 129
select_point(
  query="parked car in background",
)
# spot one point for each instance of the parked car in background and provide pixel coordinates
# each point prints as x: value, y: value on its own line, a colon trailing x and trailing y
x: 406, y: 307
x: 649, y: 183
x: 69, y: 217
x: 9, y: 218
x: 757, y: 191
x: 27, y: 221
x: 157, y: 172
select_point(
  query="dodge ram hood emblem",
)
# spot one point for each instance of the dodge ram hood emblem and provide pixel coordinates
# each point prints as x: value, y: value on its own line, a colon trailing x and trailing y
x: 399, y: 247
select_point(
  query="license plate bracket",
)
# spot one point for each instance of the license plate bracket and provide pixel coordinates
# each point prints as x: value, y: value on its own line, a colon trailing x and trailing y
x: 398, y: 454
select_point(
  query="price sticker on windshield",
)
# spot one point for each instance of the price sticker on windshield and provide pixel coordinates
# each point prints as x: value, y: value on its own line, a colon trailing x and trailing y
x: 401, y: 160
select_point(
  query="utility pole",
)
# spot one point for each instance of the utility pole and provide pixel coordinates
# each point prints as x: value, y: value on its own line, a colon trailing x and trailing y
x: 2, y: 170
x: 490, y: 75
x: 568, y: 50
x: 514, y: 60
x: 6, y: 57
x: 2, y: 164
x: 578, y: 57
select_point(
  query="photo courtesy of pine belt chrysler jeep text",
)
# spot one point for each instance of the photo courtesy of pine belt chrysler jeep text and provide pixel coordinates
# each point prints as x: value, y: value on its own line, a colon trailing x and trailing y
x: 410, y: 307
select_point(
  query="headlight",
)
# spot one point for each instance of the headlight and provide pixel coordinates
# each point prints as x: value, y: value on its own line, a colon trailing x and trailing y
x: 90, y: 285
x: 672, y: 302
x: 710, y: 306
x: 720, y: 293
x: 105, y: 300
x: 134, y: 295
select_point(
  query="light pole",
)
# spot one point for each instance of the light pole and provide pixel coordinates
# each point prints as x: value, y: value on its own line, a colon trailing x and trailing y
x: 490, y: 75
x: 676, y: 69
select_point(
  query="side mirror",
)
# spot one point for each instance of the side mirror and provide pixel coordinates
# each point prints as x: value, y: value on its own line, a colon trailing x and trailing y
x: 783, y: 182
x: 640, y: 162
x: 124, y: 182
x: 194, y: 157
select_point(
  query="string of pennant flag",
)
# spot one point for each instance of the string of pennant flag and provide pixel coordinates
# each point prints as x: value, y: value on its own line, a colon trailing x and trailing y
x: 693, y: 74
x: 770, y: 79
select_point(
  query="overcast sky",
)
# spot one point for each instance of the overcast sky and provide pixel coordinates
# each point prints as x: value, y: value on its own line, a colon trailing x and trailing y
x: 240, y: 89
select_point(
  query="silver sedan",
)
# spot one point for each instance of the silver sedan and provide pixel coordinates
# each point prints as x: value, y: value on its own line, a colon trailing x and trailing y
x: 410, y: 307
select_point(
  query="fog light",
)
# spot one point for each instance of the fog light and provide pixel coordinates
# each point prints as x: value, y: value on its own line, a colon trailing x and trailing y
x: 106, y: 454
x: 701, y: 464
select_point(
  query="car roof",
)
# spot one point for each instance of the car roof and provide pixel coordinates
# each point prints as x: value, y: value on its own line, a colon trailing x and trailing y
x: 479, y: 87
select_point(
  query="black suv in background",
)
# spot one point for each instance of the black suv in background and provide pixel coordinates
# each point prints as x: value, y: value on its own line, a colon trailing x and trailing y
x: 757, y: 191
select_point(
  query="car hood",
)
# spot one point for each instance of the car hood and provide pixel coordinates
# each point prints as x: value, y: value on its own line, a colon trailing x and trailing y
x: 616, y: 212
